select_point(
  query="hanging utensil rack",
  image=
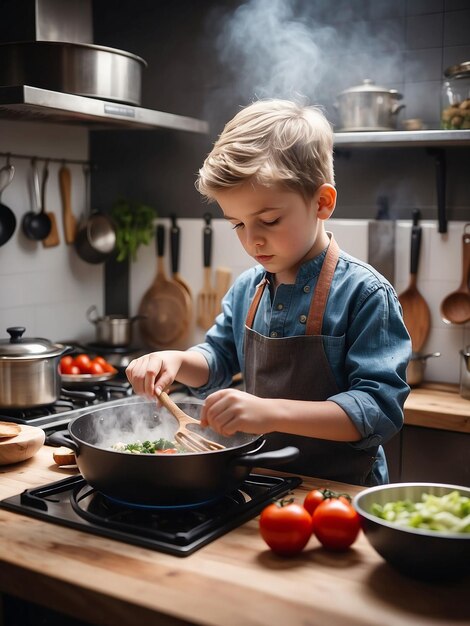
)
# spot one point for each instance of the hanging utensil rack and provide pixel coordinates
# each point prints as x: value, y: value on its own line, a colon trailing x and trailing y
x: 29, y: 157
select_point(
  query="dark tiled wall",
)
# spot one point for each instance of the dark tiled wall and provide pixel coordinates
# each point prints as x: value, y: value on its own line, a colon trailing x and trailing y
x: 401, y: 44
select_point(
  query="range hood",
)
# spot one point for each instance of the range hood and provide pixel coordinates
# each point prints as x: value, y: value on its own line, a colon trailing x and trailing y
x: 26, y: 103
x: 51, y: 71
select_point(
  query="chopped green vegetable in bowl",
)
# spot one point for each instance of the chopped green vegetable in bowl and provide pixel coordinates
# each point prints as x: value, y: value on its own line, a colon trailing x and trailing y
x: 447, y: 513
x: 148, y: 447
x: 420, y: 529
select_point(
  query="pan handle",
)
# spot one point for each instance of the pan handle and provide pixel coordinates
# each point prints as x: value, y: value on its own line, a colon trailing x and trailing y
x: 62, y: 438
x: 266, y: 459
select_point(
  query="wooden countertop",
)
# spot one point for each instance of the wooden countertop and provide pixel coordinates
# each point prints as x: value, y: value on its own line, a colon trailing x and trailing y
x: 438, y: 405
x: 234, y: 580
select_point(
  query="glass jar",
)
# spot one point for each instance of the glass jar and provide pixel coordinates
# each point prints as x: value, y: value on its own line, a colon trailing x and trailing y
x: 455, y: 105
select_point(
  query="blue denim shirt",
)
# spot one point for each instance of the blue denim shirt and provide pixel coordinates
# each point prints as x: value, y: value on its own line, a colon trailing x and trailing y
x: 365, y: 341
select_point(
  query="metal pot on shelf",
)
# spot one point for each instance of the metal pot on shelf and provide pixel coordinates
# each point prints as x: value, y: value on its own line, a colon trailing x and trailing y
x: 112, y: 330
x: 368, y: 107
x: 29, y: 370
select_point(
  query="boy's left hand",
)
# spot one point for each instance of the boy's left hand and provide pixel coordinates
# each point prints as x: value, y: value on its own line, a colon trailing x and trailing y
x: 230, y: 410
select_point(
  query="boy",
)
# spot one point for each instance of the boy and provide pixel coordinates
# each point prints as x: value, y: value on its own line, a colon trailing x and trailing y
x: 318, y: 335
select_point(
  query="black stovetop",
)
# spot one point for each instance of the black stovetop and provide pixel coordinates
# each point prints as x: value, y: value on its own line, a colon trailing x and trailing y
x: 178, y: 531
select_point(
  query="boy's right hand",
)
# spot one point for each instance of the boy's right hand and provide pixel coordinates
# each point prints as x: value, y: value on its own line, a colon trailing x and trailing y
x: 154, y: 372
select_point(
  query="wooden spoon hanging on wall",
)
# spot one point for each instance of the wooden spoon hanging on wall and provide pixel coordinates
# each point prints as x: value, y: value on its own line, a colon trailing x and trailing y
x: 70, y: 222
x: 52, y: 238
x: 455, y: 308
x: 416, y: 314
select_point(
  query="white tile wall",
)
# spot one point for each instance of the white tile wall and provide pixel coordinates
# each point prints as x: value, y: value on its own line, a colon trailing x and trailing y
x: 47, y: 290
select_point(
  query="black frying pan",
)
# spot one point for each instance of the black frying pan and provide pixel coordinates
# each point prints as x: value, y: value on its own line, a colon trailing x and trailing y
x: 154, y: 479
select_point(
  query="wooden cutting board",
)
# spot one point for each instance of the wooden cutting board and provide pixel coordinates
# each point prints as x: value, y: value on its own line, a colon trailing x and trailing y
x: 22, y: 446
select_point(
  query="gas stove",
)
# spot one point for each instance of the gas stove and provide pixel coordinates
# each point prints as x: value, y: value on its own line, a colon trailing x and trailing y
x: 71, y: 404
x: 179, y: 531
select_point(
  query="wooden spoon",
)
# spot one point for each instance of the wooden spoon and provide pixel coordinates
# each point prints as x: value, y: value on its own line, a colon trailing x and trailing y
x: 70, y: 222
x: 52, y: 238
x: 416, y: 314
x: 189, y: 439
x: 455, y: 308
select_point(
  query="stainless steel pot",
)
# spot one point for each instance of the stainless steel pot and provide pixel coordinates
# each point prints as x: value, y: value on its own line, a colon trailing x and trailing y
x: 416, y: 367
x: 368, y: 107
x: 77, y: 68
x: 112, y: 330
x: 29, y: 370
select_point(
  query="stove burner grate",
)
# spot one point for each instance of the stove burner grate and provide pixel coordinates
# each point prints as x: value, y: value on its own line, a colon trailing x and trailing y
x: 178, y: 531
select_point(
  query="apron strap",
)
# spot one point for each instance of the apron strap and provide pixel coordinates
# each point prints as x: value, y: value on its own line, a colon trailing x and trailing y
x: 255, y: 302
x: 322, y: 289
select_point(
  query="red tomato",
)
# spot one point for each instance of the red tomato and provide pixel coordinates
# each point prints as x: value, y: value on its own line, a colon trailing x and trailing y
x: 107, y: 367
x: 66, y: 361
x: 95, y: 368
x: 100, y: 360
x: 336, y: 523
x: 82, y: 361
x: 286, y: 527
x: 69, y: 369
x: 313, y: 499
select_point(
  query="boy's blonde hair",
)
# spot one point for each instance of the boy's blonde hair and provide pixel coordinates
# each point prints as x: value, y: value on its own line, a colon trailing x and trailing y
x: 271, y: 142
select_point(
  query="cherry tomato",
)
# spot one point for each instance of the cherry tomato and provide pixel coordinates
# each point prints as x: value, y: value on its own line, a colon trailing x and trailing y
x: 107, y: 367
x: 313, y: 499
x: 336, y: 524
x: 95, y: 368
x: 101, y: 360
x: 286, y: 527
x: 69, y: 368
x: 66, y: 360
x: 82, y: 361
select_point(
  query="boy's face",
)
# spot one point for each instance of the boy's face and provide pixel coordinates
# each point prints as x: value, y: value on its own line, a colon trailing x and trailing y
x: 276, y: 226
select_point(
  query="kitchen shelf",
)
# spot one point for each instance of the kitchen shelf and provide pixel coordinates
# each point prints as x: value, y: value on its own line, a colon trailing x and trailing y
x: 402, y: 138
x: 25, y: 103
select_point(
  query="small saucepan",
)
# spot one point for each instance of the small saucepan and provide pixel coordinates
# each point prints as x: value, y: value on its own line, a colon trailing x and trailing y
x: 192, y: 478
x: 112, y: 330
x: 416, y: 367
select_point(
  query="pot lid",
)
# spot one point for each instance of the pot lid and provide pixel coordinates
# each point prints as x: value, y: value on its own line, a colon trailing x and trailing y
x: 458, y: 71
x: 18, y: 347
x: 368, y: 86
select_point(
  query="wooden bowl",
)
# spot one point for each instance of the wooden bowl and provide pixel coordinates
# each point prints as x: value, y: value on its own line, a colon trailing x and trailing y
x: 22, y: 446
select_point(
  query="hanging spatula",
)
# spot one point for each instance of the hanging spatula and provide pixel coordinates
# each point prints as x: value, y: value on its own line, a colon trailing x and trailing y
x: 207, y: 297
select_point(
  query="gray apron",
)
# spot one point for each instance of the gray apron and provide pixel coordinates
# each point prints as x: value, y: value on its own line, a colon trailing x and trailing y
x: 297, y: 368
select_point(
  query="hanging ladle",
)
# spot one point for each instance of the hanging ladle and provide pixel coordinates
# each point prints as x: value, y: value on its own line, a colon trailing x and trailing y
x: 455, y: 308
x: 38, y: 225
x: 188, y: 439
x: 7, y: 217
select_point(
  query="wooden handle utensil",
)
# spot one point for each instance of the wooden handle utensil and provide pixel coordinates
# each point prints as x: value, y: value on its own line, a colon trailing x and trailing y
x: 189, y: 439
